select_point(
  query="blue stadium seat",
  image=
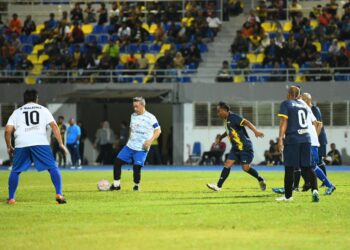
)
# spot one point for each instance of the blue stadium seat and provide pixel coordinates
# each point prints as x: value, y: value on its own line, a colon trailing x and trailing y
x: 98, y: 29
x: 108, y: 28
x: 236, y: 57
x: 33, y: 39
x: 150, y: 38
x: 196, y: 152
x: 155, y: 48
x: 103, y: 39
x: 23, y: 39
x: 114, y: 37
x: 132, y: 48
x: 184, y: 79
x: 144, y: 47
x: 286, y: 35
x: 272, y: 35
x: 326, y: 46
x: 90, y: 38
x: 203, y: 47
x: 27, y: 49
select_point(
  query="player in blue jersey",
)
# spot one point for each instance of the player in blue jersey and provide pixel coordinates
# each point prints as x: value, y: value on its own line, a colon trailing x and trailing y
x: 144, y: 129
x: 242, y: 147
x: 29, y: 124
x: 295, y: 143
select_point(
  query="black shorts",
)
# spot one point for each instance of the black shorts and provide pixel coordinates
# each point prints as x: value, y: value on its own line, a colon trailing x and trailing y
x: 243, y: 157
x: 297, y: 155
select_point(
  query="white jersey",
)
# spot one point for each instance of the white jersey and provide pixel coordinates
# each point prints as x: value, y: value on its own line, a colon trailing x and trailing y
x: 311, y: 128
x: 30, y: 122
x: 141, y: 130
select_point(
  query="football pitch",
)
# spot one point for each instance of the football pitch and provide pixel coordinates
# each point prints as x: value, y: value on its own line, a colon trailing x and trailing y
x: 174, y: 210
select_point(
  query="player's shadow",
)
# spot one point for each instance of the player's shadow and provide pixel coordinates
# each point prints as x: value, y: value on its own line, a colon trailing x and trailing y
x: 215, y: 203
x: 223, y: 197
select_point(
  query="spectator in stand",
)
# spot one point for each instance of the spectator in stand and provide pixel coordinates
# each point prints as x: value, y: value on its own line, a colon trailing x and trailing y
x: 214, y: 23
x: 29, y: 25
x: 51, y: 24
x: 163, y: 63
x: 103, y: 17
x: 143, y: 63
x: 254, y: 42
x: 295, y: 9
x: 112, y: 49
x: 334, y: 154
x: 215, y: 154
x: 261, y: 10
x: 114, y: 14
x: 224, y: 74
x: 76, y: 14
x: 240, y: 44
x: 131, y: 62
x: 194, y: 55
x: 65, y: 19
x: 15, y: 25
x: 235, y: 7
x: 179, y: 61
x: 253, y: 18
x: 332, y: 8
x: 345, y: 29
x: 325, y: 17
x: 77, y: 35
x: 90, y: 14
x: 124, y: 33
x: 159, y: 34
x: 64, y: 31
x: 272, y: 53
x: 139, y: 34
x: 247, y: 30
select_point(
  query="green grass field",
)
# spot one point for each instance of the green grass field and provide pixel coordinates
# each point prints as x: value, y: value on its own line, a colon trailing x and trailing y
x: 174, y: 210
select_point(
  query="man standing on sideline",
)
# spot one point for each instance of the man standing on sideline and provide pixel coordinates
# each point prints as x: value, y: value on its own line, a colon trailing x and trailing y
x: 144, y: 129
x: 295, y: 143
x: 242, y: 147
x: 73, y: 136
x: 56, y: 150
x: 29, y: 124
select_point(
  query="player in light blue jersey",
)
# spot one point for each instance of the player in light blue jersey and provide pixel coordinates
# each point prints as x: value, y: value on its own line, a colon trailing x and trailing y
x: 144, y: 129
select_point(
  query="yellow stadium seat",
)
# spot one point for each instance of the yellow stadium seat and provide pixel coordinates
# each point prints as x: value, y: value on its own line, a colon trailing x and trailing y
x: 37, y: 69
x: 33, y: 58
x: 138, y: 56
x: 87, y: 28
x: 42, y: 58
x: 251, y: 57
x: 151, y: 58
x: 124, y: 58
x: 238, y: 79
x: 37, y: 48
x: 39, y: 27
x: 260, y: 58
x: 145, y: 26
x: 269, y: 27
x: 296, y: 67
x: 287, y: 26
x: 153, y: 28
x: 165, y: 47
x: 314, y: 23
x: 187, y: 20
x: 30, y: 80
x: 318, y: 46
x: 299, y: 78
x: 341, y: 44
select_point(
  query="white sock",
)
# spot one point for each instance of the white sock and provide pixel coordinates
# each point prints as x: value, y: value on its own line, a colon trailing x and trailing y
x: 116, y: 183
x: 135, y: 184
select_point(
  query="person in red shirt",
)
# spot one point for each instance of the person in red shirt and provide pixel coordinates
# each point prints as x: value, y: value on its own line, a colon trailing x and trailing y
x: 15, y: 24
x: 215, y: 153
x: 325, y: 17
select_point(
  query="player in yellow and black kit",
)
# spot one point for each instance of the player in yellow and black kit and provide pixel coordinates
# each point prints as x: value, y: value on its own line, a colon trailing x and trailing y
x: 242, y: 147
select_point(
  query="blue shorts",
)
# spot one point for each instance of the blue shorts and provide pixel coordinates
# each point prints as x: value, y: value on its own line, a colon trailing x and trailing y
x: 41, y: 156
x: 242, y: 157
x: 315, y: 159
x: 297, y: 155
x: 131, y: 156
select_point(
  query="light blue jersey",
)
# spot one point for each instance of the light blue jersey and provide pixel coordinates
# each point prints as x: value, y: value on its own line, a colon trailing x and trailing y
x: 141, y: 129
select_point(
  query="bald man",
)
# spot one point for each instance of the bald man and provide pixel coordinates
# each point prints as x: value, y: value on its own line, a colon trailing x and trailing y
x: 295, y: 143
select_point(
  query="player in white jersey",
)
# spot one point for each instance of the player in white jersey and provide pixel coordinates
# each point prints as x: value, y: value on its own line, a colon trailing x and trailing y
x: 312, y: 124
x: 144, y: 129
x: 29, y: 124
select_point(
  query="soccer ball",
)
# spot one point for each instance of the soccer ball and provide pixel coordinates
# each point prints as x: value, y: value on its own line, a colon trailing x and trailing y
x: 103, y: 185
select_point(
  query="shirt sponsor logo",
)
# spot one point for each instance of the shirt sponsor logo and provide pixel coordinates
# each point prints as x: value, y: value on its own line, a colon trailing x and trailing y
x: 303, y: 131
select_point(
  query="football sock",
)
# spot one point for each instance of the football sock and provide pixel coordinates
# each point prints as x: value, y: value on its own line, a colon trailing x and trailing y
x: 323, y: 167
x: 224, y: 174
x: 322, y: 177
x: 116, y: 183
x: 13, y: 183
x: 137, y: 173
x: 56, y: 179
x: 297, y: 174
x: 255, y: 174
x: 117, y: 169
x: 310, y: 173
x: 288, y: 181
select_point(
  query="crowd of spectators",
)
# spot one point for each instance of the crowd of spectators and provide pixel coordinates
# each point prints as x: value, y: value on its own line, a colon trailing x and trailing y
x: 311, y: 46
x: 120, y: 29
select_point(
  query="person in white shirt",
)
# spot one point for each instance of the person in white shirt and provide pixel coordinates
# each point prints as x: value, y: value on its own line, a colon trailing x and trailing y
x: 29, y: 124
x: 214, y: 23
x: 144, y: 129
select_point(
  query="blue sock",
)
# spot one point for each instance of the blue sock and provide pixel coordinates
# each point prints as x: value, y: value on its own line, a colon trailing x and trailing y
x: 322, y: 177
x: 56, y: 179
x: 13, y: 183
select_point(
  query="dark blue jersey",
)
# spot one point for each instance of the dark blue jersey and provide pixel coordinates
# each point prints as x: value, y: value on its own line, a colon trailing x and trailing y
x: 296, y: 113
x: 322, y: 138
x: 237, y: 133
